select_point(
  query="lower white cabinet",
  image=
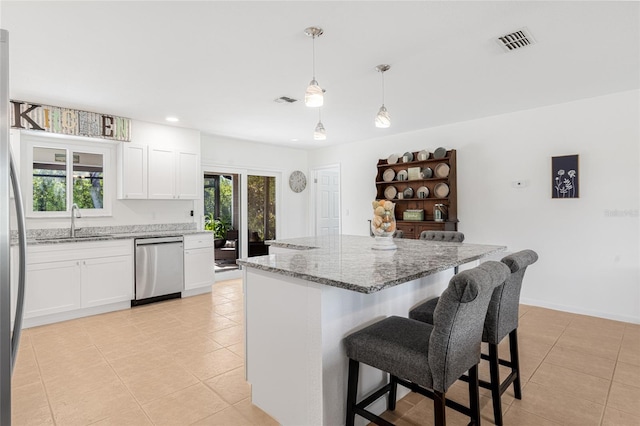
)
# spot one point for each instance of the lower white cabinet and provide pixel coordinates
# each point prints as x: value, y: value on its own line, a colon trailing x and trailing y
x: 106, y: 280
x: 198, y: 260
x: 51, y: 288
x: 71, y: 276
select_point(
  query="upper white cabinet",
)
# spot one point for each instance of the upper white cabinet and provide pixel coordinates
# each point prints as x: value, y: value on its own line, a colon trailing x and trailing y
x: 188, y: 175
x: 132, y: 171
x: 162, y: 174
x: 156, y: 173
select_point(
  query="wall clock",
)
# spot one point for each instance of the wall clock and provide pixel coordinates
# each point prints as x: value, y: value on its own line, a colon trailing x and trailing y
x: 297, y: 181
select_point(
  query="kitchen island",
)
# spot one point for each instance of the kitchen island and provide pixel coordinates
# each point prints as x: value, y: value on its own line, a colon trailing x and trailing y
x: 303, y: 298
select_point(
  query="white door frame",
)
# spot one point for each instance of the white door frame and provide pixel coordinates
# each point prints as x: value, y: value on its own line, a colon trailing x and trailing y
x: 314, y: 199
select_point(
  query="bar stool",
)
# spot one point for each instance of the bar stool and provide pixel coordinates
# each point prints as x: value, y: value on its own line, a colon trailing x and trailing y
x: 427, y: 358
x: 448, y: 236
x: 398, y: 234
x: 501, y: 320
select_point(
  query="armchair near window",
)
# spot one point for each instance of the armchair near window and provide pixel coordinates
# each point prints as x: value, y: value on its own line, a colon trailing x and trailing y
x: 229, y: 252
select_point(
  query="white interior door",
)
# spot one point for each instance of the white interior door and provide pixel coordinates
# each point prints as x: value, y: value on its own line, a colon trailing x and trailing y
x: 327, y: 201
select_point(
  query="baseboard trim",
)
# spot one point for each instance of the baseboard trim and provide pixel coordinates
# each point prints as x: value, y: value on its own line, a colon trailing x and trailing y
x: 581, y: 311
x: 77, y: 313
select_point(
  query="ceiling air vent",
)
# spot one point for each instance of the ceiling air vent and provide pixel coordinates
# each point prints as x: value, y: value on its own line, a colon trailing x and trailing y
x: 285, y: 100
x: 516, y: 40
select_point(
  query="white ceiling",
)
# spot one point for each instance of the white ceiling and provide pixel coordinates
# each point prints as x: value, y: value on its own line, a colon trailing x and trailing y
x: 219, y: 65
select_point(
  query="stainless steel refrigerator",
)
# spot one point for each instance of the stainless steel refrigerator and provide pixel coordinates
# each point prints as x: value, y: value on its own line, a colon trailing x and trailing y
x: 9, y: 327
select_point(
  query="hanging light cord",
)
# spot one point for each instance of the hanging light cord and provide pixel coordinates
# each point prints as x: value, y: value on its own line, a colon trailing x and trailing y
x: 313, y: 43
x: 382, y: 87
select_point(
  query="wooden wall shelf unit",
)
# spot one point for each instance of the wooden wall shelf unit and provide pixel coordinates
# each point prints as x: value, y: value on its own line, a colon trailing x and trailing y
x: 413, y: 228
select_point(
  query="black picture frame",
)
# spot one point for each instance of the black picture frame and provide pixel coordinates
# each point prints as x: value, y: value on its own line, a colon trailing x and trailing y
x: 565, y: 177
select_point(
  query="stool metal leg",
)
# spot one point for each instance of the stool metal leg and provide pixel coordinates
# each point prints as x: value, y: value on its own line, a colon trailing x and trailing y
x: 352, y: 389
x: 474, y: 395
x: 393, y: 393
x: 439, y: 405
x: 494, y: 372
x: 515, y: 362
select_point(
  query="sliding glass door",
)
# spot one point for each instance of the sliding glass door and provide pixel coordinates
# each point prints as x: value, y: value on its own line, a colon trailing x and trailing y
x: 261, y: 213
x: 242, y: 203
x: 221, y: 211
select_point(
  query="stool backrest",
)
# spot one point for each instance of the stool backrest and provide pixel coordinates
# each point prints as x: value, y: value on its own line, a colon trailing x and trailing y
x: 454, y: 345
x: 448, y: 236
x: 502, y: 315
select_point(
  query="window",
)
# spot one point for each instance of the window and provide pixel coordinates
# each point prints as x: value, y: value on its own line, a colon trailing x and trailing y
x: 66, y: 172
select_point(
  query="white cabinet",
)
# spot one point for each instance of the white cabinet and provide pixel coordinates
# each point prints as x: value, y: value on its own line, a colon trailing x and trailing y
x: 198, y: 260
x: 52, y: 287
x: 188, y: 175
x: 106, y: 280
x: 132, y: 168
x: 158, y: 173
x: 162, y: 174
x: 72, y: 276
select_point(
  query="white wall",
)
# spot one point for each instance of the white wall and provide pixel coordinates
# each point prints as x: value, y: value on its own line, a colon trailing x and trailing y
x: 130, y: 212
x: 589, y: 256
x: 293, y: 211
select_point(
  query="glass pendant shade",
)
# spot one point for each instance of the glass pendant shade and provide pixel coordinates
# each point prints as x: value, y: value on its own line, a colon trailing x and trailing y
x: 319, y: 133
x: 382, y: 118
x: 313, y: 97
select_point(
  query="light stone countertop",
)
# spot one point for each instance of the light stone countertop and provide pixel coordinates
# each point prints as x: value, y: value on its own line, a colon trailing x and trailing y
x: 348, y: 262
x: 107, y: 233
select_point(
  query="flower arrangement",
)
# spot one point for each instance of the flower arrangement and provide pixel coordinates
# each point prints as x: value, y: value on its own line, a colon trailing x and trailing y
x: 384, y: 220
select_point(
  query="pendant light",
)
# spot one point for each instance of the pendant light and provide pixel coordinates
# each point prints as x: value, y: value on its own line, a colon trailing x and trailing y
x: 382, y: 118
x: 319, y: 133
x: 314, y: 97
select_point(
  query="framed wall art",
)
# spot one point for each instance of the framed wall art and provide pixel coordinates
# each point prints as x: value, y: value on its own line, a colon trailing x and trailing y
x: 564, y: 177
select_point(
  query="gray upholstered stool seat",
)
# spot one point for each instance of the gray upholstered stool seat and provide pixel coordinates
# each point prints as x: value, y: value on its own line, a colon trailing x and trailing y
x: 501, y: 321
x: 448, y: 236
x: 398, y: 234
x: 428, y: 358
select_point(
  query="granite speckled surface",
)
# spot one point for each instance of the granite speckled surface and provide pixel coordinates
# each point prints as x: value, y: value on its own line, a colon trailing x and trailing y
x: 348, y: 262
x: 105, y: 233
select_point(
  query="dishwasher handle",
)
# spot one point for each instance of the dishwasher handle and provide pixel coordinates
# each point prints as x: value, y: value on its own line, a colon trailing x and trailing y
x: 159, y: 240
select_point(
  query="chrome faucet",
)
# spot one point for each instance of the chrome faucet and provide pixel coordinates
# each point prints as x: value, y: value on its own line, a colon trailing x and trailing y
x: 75, y: 212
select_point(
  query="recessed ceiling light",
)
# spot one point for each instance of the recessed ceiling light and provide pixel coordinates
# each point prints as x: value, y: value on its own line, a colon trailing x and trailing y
x: 172, y: 119
x: 294, y: 139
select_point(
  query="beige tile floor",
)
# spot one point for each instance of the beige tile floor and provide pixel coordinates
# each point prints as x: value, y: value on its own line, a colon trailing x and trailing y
x: 180, y: 362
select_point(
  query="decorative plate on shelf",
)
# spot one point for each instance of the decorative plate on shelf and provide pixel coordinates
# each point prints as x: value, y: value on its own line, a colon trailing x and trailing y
x: 408, y: 193
x: 402, y: 175
x: 388, y: 175
x: 390, y: 192
x: 423, y: 155
x: 423, y: 192
x: 442, y: 170
x: 393, y: 158
x: 441, y: 190
x: 426, y: 173
x: 440, y: 153
x: 408, y: 155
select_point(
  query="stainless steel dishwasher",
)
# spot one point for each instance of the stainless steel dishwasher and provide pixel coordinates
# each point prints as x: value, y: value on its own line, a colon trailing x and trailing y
x: 159, y: 269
